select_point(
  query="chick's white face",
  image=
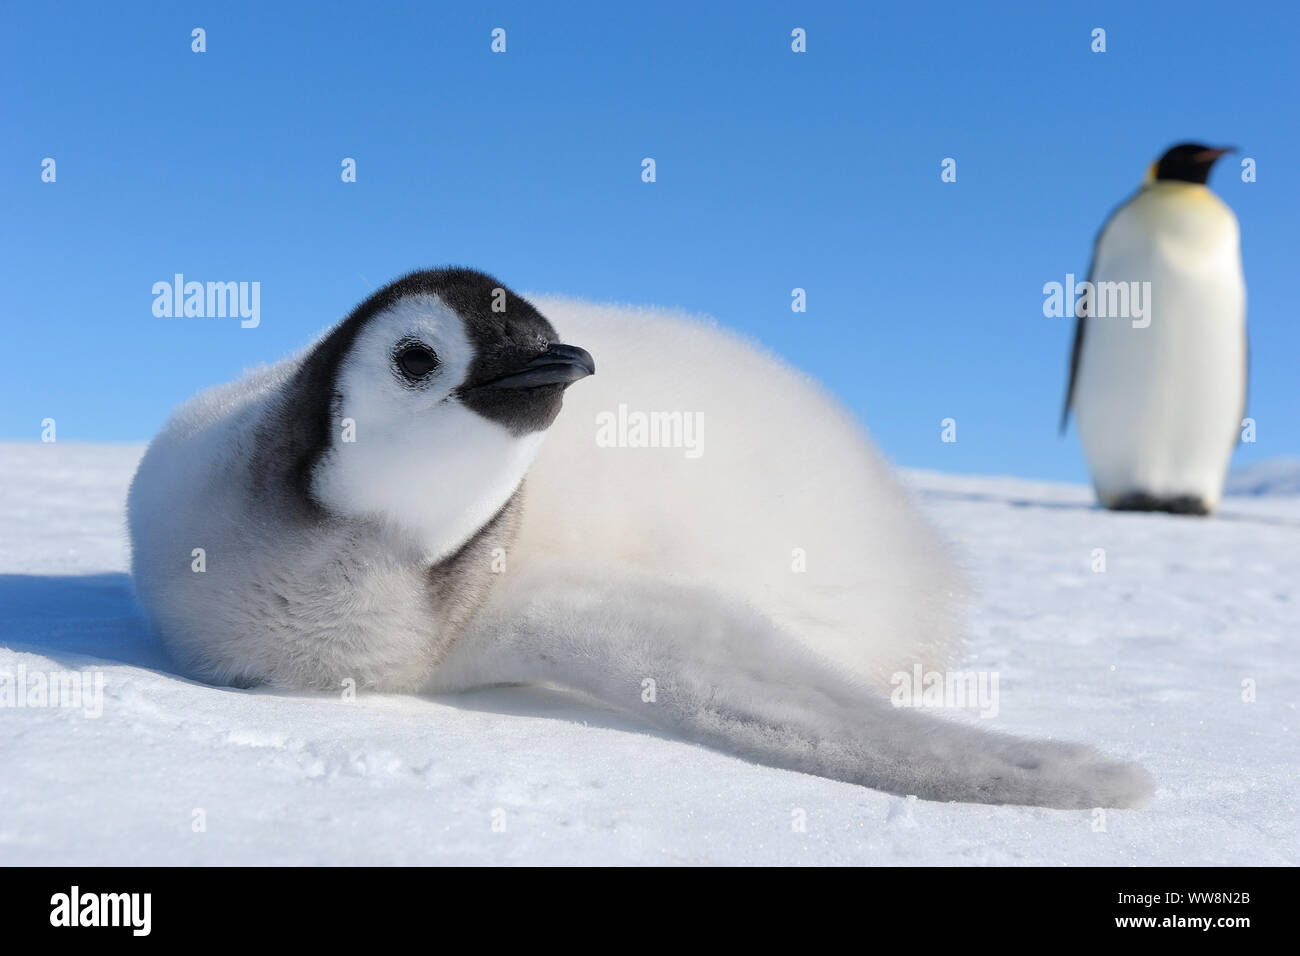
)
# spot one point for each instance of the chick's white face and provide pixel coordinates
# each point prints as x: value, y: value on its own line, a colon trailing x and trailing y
x: 406, y: 450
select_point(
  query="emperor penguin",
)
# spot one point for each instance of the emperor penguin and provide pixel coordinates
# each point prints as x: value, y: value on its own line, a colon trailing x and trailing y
x: 1159, y: 388
x: 406, y: 506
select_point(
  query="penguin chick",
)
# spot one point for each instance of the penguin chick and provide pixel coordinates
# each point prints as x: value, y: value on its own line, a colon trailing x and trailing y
x: 382, y: 508
x: 1159, y: 396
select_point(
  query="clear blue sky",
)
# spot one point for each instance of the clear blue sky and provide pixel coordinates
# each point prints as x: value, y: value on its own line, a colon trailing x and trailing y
x: 775, y: 170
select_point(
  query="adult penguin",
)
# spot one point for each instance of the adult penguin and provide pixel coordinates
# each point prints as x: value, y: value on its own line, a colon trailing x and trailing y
x: 1159, y: 396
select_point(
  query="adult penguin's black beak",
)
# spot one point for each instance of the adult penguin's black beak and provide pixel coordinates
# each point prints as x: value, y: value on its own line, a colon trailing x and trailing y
x: 1208, y: 157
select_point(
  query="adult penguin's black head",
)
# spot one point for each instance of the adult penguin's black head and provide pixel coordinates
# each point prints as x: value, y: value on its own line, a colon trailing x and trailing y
x: 1188, y: 163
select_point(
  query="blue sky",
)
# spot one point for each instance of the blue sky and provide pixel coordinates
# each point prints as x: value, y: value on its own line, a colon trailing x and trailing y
x: 775, y: 170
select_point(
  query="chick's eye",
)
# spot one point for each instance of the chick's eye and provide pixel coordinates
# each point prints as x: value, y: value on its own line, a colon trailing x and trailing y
x: 416, y: 361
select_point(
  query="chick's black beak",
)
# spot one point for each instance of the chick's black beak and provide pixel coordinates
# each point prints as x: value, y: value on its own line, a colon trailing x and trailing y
x: 558, y: 365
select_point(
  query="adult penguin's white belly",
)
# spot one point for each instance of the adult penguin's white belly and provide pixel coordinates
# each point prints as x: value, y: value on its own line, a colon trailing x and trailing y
x: 1159, y: 407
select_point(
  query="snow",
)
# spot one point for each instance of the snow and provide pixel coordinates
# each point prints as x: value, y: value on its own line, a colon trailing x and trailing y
x: 1146, y: 660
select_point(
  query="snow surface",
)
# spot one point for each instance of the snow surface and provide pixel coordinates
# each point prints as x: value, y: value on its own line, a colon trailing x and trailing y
x: 1146, y: 660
